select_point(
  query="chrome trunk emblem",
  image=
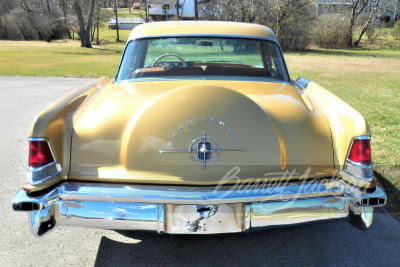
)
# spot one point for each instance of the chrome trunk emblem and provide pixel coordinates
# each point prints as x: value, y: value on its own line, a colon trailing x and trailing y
x: 204, y: 147
x: 203, y: 150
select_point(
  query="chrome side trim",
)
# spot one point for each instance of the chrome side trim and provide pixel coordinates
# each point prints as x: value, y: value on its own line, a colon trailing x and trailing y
x: 301, y: 83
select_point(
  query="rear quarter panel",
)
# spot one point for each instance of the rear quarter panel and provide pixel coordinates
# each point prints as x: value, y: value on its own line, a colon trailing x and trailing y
x: 345, y: 123
x: 56, y: 122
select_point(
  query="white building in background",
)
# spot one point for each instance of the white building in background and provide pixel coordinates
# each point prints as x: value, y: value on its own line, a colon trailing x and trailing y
x: 124, y: 23
x: 166, y: 9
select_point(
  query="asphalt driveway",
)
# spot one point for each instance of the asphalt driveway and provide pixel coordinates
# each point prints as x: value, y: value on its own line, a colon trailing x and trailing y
x: 333, y: 243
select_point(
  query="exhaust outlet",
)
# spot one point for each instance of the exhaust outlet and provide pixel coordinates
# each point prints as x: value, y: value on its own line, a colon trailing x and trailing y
x: 373, y: 202
x: 26, y: 206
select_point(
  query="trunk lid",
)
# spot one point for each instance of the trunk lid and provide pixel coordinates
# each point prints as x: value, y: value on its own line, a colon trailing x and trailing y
x: 199, y: 132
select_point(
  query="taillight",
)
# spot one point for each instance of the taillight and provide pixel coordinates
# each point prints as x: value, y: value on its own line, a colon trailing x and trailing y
x: 359, y: 163
x: 39, y: 154
x: 361, y: 152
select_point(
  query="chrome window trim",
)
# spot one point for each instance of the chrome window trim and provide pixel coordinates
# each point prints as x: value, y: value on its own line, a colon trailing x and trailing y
x: 185, y: 78
x: 206, y: 35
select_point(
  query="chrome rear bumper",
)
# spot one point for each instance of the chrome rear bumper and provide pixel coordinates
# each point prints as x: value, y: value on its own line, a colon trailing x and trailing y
x: 196, y: 210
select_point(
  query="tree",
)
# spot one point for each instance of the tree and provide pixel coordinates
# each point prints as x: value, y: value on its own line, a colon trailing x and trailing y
x: 43, y: 17
x: 371, y: 17
x: 177, y: 9
x: 5, y: 6
x: 290, y: 19
x: 358, y: 7
x: 64, y: 12
x: 116, y: 20
x: 196, y: 10
x: 84, y: 32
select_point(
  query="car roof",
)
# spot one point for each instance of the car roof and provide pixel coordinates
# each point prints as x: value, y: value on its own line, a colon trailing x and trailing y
x: 211, y: 28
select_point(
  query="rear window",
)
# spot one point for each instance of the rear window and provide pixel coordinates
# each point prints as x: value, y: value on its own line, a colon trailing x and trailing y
x: 202, y: 58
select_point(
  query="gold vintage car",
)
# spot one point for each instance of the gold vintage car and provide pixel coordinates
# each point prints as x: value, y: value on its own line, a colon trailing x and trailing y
x: 202, y: 131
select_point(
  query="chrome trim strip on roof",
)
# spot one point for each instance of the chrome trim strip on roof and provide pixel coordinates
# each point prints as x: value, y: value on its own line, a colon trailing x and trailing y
x: 206, y: 36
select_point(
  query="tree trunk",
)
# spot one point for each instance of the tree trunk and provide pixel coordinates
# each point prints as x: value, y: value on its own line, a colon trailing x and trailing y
x: 353, y: 16
x: 64, y: 10
x: 48, y: 7
x: 146, y: 11
x: 97, y: 39
x: 196, y: 10
x: 92, y: 32
x: 81, y: 22
x: 41, y: 6
x: 87, y: 43
x: 97, y: 26
x: 350, y: 35
x: 177, y: 9
x: 351, y: 24
x: 366, y: 25
x: 116, y: 20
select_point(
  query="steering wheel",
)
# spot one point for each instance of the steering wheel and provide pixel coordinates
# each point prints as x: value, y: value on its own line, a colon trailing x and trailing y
x: 155, y: 63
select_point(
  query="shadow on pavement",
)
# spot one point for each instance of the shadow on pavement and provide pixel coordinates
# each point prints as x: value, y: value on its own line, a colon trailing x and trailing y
x: 328, y: 243
x: 393, y: 193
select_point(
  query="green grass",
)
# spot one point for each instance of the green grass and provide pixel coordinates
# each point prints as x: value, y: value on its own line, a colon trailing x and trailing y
x: 65, y: 59
x: 369, y: 80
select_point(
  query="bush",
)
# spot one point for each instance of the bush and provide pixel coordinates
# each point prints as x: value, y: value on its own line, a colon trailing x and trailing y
x: 136, y: 6
x: 294, y: 33
x: 396, y: 30
x: 374, y: 31
x: 331, y: 31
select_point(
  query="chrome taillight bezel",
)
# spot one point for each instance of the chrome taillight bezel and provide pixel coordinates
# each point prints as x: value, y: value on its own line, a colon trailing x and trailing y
x: 44, y: 174
x: 358, y: 170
